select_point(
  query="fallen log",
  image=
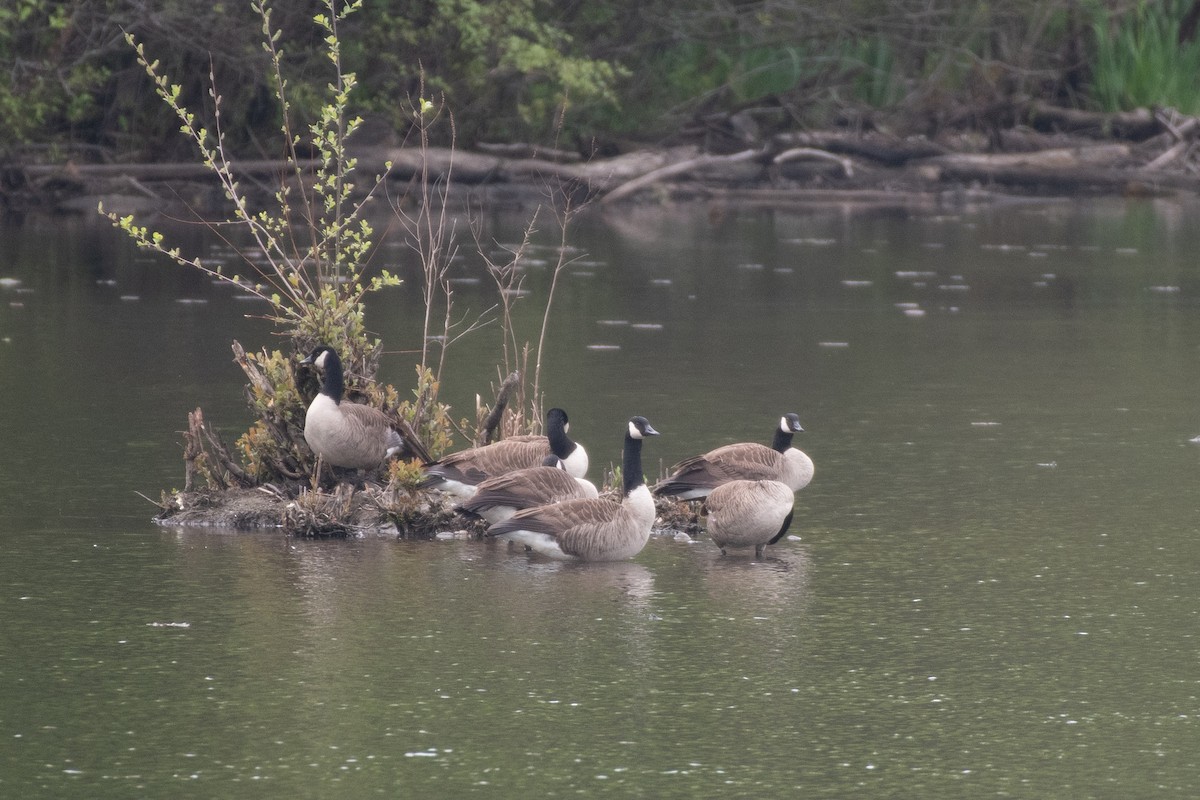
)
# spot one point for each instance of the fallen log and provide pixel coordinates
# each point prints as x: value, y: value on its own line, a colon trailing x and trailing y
x: 662, y: 173
x: 206, y: 455
x: 487, y: 430
x: 162, y: 171
x: 1055, y: 158
x: 475, y: 168
x: 524, y: 150
x: 1133, y: 125
x: 889, y: 151
x: 811, y: 152
x: 1130, y: 181
x: 1184, y: 134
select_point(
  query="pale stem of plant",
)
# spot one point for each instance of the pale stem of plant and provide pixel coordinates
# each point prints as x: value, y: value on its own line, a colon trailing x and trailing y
x: 564, y: 221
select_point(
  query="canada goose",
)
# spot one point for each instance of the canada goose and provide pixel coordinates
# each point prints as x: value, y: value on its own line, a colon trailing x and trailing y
x: 459, y: 473
x: 745, y: 513
x: 498, y: 498
x: 346, y: 434
x: 594, y: 529
x: 695, y: 477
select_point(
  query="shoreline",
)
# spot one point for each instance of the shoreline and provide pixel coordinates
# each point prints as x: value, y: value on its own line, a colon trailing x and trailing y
x: 807, y: 168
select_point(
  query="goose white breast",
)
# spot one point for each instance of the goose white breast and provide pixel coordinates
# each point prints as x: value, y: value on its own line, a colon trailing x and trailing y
x: 345, y: 434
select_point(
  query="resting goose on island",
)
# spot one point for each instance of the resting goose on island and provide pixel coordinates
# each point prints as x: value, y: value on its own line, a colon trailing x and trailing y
x: 694, y: 478
x: 749, y: 514
x: 459, y: 473
x: 496, y: 499
x: 593, y: 529
x: 345, y: 434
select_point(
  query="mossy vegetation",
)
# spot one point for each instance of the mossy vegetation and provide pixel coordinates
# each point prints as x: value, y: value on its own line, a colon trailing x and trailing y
x: 587, y: 75
x: 1147, y: 57
x: 307, y: 257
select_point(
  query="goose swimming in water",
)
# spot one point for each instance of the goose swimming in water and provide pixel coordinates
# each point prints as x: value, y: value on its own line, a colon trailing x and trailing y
x: 593, y: 529
x: 345, y: 434
x: 694, y: 478
x: 496, y: 499
x: 749, y: 514
x: 459, y: 473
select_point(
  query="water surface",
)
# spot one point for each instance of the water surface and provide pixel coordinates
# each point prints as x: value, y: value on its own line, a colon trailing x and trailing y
x: 991, y: 591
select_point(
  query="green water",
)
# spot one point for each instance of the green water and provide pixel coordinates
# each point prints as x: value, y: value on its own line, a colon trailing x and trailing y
x: 993, y: 592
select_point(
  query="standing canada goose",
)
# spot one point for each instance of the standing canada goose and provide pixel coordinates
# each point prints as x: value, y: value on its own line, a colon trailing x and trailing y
x: 345, y: 434
x: 694, y: 478
x: 594, y: 529
x: 459, y: 473
x: 496, y: 499
x: 749, y: 514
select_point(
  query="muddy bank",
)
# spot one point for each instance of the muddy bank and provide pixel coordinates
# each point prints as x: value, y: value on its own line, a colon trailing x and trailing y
x: 343, y: 511
x: 350, y: 511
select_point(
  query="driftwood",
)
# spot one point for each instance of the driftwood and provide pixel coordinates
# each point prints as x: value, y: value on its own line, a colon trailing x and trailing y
x: 850, y: 198
x: 1071, y: 180
x: 487, y: 430
x: 1104, y: 166
x: 204, y: 453
x: 1146, y: 151
x: 1056, y: 158
x: 475, y: 168
x: 286, y: 433
x: 522, y: 150
x: 671, y: 170
x: 1133, y: 125
x: 161, y: 172
x: 1183, y: 133
x: 796, y: 153
x: 888, y: 151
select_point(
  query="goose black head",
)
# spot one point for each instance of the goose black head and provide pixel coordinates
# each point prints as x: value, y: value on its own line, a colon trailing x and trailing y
x: 640, y: 428
x: 320, y: 356
x: 326, y: 359
x: 556, y: 418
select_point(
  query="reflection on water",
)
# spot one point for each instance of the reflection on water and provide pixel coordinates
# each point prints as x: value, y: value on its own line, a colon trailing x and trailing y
x: 988, y: 593
x: 776, y: 584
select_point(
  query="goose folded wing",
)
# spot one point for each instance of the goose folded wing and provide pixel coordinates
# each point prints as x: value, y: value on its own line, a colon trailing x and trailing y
x: 718, y: 467
x: 569, y: 522
x: 505, y: 456
x: 447, y: 470
x: 744, y: 462
x: 525, y: 488
x: 412, y: 446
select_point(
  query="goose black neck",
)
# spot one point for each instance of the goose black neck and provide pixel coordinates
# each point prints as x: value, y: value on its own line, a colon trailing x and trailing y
x: 334, y: 382
x: 560, y: 443
x: 631, y: 469
x: 783, y: 440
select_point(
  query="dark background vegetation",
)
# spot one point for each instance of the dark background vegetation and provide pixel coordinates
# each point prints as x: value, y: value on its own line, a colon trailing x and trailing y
x: 585, y: 74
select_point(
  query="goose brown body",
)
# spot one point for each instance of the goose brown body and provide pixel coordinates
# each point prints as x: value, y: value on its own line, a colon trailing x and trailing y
x: 461, y: 472
x: 348, y: 434
x: 746, y: 513
x: 592, y: 529
x: 345, y: 434
x: 496, y: 499
x: 694, y: 478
